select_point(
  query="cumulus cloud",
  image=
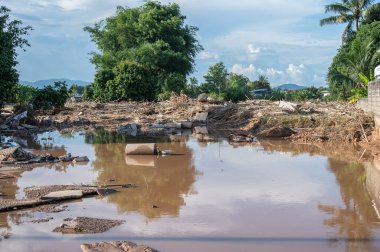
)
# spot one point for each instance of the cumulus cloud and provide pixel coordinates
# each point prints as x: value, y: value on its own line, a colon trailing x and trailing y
x: 271, y: 35
x: 292, y: 74
x: 296, y: 72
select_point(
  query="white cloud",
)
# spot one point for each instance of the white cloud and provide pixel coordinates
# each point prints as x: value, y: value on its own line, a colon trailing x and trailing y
x: 295, y: 72
x: 271, y: 35
x: 253, y: 50
x: 205, y: 55
x: 292, y: 74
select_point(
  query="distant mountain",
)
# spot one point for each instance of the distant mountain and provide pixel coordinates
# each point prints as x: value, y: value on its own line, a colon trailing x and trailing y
x: 290, y: 87
x: 42, y: 83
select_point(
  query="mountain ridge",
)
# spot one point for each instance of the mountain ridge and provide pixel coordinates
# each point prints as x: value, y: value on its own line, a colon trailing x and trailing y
x: 42, y: 83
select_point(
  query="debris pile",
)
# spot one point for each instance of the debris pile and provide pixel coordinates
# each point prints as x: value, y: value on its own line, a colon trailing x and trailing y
x: 46, y: 195
x: 304, y: 121
x: 116, y: 246
x: 17, y: 122
x: 86, y: 225
x: 16, y: 155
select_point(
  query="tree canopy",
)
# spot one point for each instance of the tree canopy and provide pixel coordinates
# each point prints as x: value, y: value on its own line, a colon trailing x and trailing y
x: 351, y: 12
x: 352, y: 67
x: 12, y: 34
x: 143, y: 52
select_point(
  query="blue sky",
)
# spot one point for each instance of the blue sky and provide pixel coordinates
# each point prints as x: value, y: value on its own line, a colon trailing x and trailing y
x: 277, y: 38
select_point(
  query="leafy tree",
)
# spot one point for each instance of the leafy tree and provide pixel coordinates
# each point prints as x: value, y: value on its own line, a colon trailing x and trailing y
x: 352, y: 68
x: 216, y: 78
x: 143, y: 51
x: 351, y: 12
x: 11, y: 38
x: 88, y: 93
x: 261, y: 83
x: 25, y: 94
x: 237, y: 87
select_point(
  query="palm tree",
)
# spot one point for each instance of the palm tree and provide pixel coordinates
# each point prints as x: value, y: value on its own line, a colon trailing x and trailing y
x: 349, y: 11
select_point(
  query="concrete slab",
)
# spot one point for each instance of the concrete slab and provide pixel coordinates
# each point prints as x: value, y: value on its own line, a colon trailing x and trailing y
x: 61, y: 195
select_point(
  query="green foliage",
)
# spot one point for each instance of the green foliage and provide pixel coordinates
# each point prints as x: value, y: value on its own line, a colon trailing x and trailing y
x: 353, y: 65
x: 192, y: 88
x: 11, y: 38
x: 144, y: 51
x: 310, y: 93
x: 25, y: 94
x: 51, y: 96
x: 350, y: 12
x: 88, y: 93
x: 76, y: 89
x: 357, y: 94
x: 237, y: 88
x: 215, y: 78
x: 261, y: 83
x: 131, y: 82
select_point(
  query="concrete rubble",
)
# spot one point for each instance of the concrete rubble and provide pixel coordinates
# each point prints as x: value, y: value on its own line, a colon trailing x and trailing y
x: 115, y: 246
x: 46, y: 195
x: 16, y: 155
x: 86, y: 225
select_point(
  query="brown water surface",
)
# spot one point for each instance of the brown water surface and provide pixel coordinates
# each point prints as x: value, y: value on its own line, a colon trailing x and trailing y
x: 272, y: 196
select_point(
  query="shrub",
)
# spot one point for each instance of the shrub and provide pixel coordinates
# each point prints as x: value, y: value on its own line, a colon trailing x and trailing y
x: 51, y: 96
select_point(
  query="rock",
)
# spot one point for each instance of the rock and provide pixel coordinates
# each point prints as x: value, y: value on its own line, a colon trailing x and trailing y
x: 81, y: 159
x: 131, y: 129
x: 105, y: 191
x: 278, y: 132
x: 201, y: 117
x: 186, y: 125
x: 66, y: 158
x: 61, y: 195
x: 86, y: 225
x: 289, y: 106
x: 171, y: 125
x: 6, y: 153
x: 202, y: 97
x: 29, y: 127
x: 115, y: 246
x: 4, y: 127
x: 201, y: 130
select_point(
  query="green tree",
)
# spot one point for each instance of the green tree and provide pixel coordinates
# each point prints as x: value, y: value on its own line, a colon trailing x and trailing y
x: 237, y: 87
x: 75, y: 89
x: 11, y: 37
x: 216, y: 78
x: 151, y: 43
x: 351, y: 12
x: 353, y: 65
x: 88, y: 93
x: 261, y: 83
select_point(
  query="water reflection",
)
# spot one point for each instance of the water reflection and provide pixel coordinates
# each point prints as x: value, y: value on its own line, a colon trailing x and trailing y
x: 162, y: 182
x: 356, y: 219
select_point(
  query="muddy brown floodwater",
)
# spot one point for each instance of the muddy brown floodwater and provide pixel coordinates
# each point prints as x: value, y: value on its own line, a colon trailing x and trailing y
x: 272, y: 196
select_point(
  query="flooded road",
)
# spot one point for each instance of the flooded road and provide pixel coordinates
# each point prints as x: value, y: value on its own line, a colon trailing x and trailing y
x: 214, y: 197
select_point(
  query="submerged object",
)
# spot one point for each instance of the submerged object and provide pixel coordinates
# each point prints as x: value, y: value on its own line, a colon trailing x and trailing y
x: 141, y: 149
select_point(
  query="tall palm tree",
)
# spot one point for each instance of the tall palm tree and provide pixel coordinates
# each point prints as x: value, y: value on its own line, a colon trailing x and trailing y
x: 349, y: 11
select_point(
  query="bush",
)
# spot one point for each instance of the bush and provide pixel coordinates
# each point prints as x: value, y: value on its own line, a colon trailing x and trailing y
x: 51, y: 96
x: 88, y: 93
x: 25, y: 94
